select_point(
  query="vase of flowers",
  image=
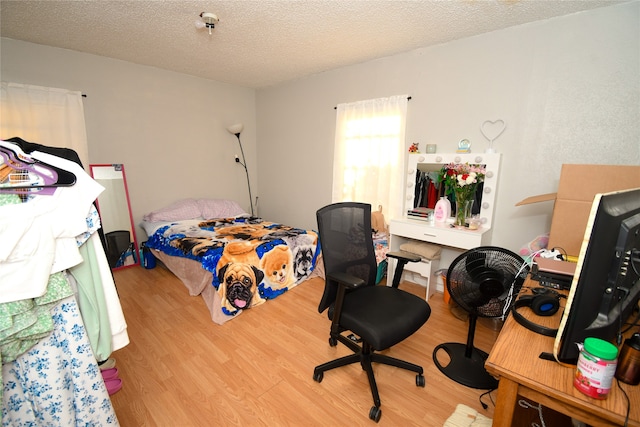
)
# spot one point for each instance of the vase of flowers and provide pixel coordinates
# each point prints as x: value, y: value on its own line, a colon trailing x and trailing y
x: 463, y: 211
x: 461, y: 180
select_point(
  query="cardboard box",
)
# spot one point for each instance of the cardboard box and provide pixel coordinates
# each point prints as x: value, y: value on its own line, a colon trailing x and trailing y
x: 578, y: 185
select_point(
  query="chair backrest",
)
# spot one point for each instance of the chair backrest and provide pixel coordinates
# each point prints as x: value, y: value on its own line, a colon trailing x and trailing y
x: 347, y: 245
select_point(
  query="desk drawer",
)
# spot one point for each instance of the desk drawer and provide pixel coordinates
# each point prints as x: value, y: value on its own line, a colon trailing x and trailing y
x: 441, y: 235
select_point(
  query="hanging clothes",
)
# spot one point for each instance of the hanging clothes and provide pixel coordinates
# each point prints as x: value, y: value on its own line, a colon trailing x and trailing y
x: 432, y: 192
x: 99, y: 302
x: 64, y: 153
x: 419, y: 192
x: 39, y: 237
x: 57, y: 382
x: 427, y: 189
x: 25, y: 322
x: 32, y: 264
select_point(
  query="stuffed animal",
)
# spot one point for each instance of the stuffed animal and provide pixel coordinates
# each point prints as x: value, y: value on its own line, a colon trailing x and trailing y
x: 534, y: 246
x: 377, y: 221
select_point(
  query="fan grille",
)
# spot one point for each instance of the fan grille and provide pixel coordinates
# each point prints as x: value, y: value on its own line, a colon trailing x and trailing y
x: 479, y: 280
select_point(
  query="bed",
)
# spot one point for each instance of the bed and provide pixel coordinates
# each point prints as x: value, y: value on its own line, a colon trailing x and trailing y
x: 231, y: 259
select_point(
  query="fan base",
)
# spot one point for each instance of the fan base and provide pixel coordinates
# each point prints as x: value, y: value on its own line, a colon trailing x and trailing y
x: 468, y: 371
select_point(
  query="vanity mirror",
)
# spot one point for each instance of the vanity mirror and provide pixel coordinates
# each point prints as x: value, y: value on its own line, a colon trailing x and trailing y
x: 115, y: 214
x: 433, y: 163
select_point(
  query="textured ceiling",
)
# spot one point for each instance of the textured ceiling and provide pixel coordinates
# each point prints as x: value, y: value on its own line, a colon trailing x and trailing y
x: 260, y: 43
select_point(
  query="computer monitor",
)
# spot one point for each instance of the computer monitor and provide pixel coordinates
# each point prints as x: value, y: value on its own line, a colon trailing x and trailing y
x: 606, y: 286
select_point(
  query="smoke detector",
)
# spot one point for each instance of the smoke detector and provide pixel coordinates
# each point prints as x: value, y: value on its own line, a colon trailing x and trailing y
x: 208, y: 20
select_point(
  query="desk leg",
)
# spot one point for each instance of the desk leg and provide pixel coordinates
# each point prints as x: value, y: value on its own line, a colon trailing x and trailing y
x: 505, y: 403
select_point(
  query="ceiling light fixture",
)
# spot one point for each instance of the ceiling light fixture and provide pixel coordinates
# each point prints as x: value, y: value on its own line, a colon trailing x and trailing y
x: 209, y: 20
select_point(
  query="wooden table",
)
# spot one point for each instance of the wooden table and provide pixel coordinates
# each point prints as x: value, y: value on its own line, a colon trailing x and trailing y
x: 515, y: 360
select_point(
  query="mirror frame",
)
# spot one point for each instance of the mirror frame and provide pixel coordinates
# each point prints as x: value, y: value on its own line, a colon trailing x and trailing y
x: 118, y: 167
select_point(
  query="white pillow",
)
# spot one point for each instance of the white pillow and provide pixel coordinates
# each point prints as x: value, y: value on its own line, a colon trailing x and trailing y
x: 219, y: 208
x: 151, y: 227
x: 182, y: 209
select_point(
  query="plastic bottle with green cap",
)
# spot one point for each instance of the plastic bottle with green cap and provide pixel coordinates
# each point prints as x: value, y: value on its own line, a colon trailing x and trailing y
x: 596, y: 367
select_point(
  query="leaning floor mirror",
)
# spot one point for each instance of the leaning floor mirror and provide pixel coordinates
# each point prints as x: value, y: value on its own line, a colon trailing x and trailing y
x: 115, y: 214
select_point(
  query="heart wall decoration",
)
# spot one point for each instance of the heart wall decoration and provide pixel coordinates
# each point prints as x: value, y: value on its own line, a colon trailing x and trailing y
x: 492, y: 129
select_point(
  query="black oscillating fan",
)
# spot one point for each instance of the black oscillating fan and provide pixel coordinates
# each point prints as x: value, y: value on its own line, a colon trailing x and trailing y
x: 483, y: 281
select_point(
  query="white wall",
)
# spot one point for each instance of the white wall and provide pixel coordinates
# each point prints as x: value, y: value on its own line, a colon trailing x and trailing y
x: 168, y: 129
x: 568, y: 89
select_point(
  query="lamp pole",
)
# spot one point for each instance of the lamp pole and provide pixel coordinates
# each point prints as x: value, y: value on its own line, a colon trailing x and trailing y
x: 236, y: 130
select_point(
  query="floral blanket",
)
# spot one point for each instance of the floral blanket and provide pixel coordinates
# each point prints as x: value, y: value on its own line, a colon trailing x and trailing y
x: 251, y: 260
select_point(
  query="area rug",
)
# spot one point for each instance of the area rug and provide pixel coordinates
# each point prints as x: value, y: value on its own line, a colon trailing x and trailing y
x: 465, y: 416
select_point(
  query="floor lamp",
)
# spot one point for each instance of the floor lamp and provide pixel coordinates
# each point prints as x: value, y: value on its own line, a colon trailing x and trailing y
x: 237, y: 130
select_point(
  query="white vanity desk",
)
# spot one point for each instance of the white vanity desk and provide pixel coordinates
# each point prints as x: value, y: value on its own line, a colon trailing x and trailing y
x: 454, y: 241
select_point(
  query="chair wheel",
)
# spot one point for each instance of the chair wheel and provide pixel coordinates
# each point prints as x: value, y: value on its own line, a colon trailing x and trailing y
x: 420, y: 382
x: 333, y: 341
x: 375, y: 413
x: 317, y: 377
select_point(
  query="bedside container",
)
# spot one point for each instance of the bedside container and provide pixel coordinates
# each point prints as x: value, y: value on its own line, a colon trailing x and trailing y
x: 441, y: 276
x: 147, y: 259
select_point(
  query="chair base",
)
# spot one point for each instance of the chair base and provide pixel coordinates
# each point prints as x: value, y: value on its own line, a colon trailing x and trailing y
x: 365, y: 356
x: 468, y: 371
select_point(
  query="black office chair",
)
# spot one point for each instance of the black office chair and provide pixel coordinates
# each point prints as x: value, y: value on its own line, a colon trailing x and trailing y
x: 378, y: 316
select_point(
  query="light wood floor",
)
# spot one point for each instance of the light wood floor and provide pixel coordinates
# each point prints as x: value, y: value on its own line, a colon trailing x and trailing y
x: 181, y: 369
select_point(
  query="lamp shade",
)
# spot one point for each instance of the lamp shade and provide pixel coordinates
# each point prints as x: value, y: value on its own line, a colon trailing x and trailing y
x: 236, y: 128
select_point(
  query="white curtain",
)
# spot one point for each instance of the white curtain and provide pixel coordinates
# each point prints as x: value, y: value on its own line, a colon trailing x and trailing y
x: 368, y: 164
x: 47, y: 116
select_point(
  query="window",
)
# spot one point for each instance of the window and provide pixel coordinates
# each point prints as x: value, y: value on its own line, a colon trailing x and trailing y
x: 47, y: 116
x: 369, y: 153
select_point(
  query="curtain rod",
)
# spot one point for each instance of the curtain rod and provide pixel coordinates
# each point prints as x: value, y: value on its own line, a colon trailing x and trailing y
x: 408, y: 99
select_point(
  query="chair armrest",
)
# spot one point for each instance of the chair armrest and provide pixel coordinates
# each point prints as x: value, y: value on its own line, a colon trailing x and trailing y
x: 403, y: 258
x: 403, y: 255
x: 345, y: 279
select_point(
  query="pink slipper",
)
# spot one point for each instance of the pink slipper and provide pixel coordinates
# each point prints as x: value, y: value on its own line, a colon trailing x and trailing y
x: 113, y: 385
x: 109, y: 374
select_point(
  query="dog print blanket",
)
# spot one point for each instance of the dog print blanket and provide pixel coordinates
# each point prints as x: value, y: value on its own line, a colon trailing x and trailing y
x: 251, y: 260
